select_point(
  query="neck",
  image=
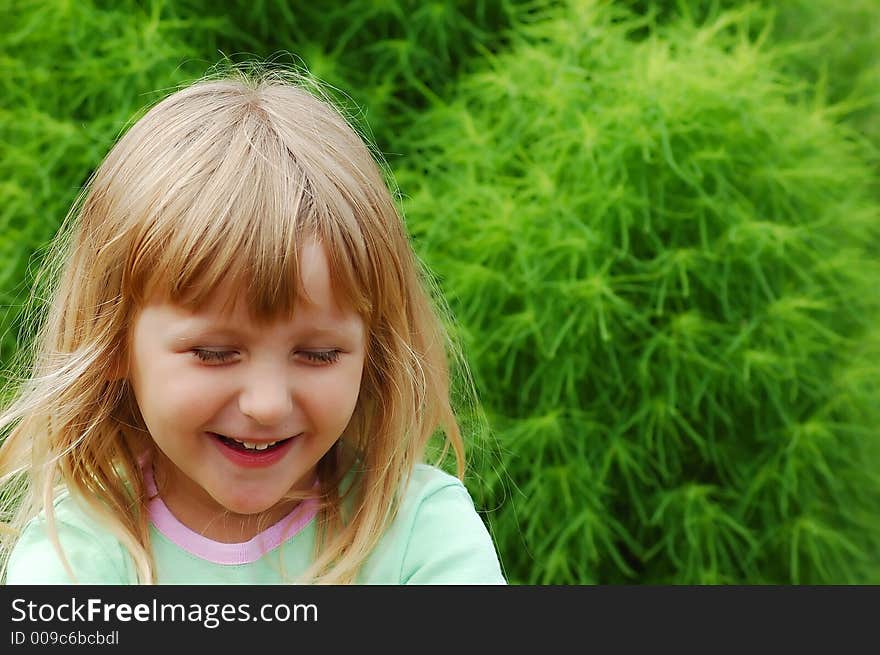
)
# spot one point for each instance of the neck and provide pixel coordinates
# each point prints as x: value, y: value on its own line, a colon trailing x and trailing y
x: 194, y: 508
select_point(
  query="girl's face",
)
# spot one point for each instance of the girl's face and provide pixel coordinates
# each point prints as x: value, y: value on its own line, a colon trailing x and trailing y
x: 205, y: 382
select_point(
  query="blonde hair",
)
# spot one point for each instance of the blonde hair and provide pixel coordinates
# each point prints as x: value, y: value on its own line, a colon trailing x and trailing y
x: 222, y: 181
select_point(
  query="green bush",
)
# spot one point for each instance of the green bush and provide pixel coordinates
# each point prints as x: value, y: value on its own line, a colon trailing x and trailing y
x: 833, y: 46
x: 836, y: 47
x: 393, y: 58
x: 663, y: 257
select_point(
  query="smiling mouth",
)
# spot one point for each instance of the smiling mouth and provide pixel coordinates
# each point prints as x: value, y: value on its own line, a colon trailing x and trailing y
x: 251, y: 448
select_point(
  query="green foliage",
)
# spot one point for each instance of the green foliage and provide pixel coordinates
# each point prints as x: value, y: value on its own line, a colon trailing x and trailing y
x: 663, y: 257
x: 834, y: 46
x: 393, y: 57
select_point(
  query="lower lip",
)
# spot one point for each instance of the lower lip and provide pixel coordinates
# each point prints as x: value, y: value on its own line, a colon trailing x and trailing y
x: 256, y: 459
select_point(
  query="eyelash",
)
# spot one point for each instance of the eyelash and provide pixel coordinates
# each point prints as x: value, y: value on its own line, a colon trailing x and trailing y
x: 220, y: 356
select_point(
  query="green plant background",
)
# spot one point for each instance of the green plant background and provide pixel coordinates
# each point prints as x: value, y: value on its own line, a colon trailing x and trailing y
x: 656, y: 222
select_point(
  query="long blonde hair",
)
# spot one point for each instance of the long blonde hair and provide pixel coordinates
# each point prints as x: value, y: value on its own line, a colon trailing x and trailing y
x: 222, y: 181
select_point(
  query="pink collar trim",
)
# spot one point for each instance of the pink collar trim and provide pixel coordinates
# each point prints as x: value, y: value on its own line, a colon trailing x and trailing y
x: 221, y: 553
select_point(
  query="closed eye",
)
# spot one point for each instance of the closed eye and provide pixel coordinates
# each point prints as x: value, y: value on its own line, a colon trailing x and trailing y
x: 214, y: 356
x: 223, y: 356
x: 321, y: 356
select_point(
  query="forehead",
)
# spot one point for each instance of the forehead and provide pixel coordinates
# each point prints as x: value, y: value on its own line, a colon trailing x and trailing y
x: 316, y: 290
x: 316, y: 297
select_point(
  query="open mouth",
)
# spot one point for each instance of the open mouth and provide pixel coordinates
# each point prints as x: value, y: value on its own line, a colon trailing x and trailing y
x: 251, y: 448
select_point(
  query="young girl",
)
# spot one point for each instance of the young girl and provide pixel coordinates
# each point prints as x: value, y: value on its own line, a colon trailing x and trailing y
x: 240, y: 369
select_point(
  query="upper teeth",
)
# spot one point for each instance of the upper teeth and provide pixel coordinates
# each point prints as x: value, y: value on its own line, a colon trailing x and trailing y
x: 255, y: 446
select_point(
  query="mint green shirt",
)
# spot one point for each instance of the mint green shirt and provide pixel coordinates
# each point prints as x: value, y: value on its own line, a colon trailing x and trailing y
x: 437, y: 537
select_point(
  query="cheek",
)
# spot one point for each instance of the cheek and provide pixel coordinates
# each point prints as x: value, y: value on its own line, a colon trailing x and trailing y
x: 332, y: 398
x: 171, y: 393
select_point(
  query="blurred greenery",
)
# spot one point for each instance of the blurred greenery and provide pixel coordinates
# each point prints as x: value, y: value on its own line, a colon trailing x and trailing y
x: 655, y: 221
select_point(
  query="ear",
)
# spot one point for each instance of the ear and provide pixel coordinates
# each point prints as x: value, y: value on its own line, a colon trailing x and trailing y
x: 118, y: 369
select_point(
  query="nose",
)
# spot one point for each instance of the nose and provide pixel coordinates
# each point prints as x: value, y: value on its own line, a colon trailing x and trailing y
x: 267, y: 396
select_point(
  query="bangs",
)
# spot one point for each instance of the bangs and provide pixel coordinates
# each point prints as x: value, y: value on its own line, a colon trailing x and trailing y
x: 237, y: 213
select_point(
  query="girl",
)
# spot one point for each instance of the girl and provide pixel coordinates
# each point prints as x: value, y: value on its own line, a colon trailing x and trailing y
x: 240, y: 369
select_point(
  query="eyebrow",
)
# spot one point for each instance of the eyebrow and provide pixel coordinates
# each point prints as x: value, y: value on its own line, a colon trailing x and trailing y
x: 197, y: 329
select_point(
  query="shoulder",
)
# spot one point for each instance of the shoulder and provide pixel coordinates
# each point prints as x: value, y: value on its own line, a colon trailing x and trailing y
x: 95, y: 556
x: 437, y: 536
x: 427, y: 480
